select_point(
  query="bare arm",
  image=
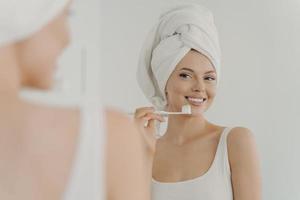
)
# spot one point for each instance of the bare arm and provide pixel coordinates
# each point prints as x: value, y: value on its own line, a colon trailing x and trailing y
x: 126, y: 169
x: 245, y: 166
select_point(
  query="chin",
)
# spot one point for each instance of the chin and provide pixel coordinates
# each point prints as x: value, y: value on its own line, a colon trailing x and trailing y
x: 197, y: 113
x: 43, y: 85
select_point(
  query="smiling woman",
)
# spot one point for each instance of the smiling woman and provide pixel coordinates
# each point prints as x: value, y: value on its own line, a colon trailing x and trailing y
x: 257, y: 87
x: 194, y: 159
x: 195, y: 80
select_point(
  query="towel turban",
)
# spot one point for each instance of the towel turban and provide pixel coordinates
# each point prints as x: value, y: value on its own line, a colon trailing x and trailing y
x: 178, y: 30
x: 20, y: 19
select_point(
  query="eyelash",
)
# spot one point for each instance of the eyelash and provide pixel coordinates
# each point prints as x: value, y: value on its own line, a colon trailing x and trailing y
x: 209, y: 78
x: 183, y: 75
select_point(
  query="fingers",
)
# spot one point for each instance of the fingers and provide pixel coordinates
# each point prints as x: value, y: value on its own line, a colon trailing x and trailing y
x: 145, y: 119
x: 151, y: 124
x: 144, y: 116
x: 147, y: 113
x: 153, y: 116
x: 140, y: 112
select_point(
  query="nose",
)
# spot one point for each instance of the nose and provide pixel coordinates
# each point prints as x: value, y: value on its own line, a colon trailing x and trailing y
x: 198, y: 86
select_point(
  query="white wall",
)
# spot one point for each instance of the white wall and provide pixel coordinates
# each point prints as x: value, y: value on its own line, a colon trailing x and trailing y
x: 260, y: 74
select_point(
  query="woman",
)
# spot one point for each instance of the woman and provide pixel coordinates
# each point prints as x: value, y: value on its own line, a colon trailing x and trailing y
x: 194, y: 159
x: 50, y: 152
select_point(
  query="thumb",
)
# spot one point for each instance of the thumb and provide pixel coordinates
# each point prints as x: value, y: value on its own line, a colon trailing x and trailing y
x: 152, y: 124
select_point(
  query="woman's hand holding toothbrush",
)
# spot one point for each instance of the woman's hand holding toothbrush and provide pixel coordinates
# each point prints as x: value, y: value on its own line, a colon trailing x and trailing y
x: 145, y: 118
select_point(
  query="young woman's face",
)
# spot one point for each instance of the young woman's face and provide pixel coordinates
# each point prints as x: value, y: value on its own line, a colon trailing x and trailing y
x: 193, y: 81
x: 38, y: 54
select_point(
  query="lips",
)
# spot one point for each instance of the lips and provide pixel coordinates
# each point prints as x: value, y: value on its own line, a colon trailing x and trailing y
x: 197, y: 101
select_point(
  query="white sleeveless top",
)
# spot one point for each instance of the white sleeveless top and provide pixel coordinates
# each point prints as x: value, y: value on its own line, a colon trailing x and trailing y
x: 215, y: 184
x: 87, y: 174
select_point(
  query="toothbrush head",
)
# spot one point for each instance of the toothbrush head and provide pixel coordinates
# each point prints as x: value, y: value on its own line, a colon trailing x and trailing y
x: 186, y: 109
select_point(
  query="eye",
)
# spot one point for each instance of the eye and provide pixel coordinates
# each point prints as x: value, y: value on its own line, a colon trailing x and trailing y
x: 185, y: 75
x: 210, y: 78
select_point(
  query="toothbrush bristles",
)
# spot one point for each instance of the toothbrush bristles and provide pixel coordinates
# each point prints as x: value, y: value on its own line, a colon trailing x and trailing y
x: 186, y: 109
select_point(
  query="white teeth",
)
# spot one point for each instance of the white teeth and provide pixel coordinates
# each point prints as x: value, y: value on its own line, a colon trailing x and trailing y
x: 196, y: 99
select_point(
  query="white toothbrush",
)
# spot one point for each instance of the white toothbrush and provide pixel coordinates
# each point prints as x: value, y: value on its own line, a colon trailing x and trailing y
x: 185, y: 110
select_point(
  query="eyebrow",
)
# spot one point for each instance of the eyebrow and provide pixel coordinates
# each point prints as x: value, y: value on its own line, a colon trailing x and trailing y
x: 188, y: 69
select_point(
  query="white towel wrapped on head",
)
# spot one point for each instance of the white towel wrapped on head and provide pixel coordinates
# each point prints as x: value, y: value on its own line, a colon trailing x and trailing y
x: 21, y: 18
x: 178, y: 30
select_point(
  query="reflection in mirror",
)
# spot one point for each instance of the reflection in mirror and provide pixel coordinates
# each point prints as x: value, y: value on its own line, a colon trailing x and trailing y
x: 255, y: 87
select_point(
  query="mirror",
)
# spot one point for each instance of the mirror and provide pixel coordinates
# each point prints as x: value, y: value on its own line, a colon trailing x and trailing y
x: 259, y: 83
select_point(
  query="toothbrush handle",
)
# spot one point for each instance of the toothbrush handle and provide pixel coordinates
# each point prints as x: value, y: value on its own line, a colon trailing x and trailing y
x: 160, y: 112
x: 167, y: 113
x: 155, y: 112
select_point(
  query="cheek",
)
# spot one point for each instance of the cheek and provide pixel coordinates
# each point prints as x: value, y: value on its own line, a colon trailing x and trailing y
x: 45, y: 47
x: 62, y: 33
x: 53, y: 39
x: 176, y: 92
x: 177, y: 86
x: 178, y: 89
x: 45, y: 56
x: 38, y: 58
x: 211, y: 92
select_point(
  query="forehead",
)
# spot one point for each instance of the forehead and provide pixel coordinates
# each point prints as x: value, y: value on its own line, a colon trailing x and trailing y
x: 195, y: 61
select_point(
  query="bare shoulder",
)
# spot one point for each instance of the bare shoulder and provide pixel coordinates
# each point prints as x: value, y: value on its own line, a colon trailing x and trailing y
x: 121, y: 130
x: 117, y: 121
x: 244, y: 164
x: 239, y: 136
x: 241, y: 144
x: 124, y: 160
x: 113, y: 115
x: 61, y: 122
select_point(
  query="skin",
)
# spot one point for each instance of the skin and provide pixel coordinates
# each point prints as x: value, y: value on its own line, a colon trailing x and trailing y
x: 38, y: 142
x: 188, y: 147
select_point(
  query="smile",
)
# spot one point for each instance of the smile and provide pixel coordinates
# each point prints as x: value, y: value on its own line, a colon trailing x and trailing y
x: 196, y: 101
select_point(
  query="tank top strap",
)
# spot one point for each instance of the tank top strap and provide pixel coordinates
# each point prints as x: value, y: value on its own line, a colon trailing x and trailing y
x: 87, y: 174
x: 222, y: 152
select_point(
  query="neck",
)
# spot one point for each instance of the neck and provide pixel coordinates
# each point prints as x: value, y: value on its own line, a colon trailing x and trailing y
x: 9, y: 73
x: 182, y: 128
